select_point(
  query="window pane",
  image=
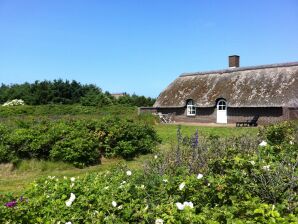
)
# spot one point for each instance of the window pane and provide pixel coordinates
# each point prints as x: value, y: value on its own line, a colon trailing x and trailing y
x: 190, y: 102
x: 191, y: 110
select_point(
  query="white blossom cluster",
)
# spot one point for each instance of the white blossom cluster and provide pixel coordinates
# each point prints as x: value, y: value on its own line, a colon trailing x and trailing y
x: 15, y: 102
x: 181, y: 206
x: 70, y: 200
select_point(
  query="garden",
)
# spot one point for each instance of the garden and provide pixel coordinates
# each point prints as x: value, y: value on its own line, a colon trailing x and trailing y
x: 112, y: 166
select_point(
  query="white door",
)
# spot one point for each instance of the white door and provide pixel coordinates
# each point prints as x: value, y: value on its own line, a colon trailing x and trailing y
x: 221, y: 116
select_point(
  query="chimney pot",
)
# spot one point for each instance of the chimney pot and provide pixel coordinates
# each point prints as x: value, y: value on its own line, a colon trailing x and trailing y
x: 234, y: 61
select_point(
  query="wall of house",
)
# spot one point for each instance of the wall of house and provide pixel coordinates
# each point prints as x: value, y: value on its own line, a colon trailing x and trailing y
x: 293, y: 113
x: 267, y: 115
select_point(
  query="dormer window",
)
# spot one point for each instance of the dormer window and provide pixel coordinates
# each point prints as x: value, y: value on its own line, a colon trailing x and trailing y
x: 190, y: 108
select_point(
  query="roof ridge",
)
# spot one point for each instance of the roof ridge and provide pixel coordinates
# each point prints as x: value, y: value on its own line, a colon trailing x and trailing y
x: 229, y: 70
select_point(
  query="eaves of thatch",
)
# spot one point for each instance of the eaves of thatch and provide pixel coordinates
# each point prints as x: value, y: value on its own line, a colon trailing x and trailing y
x: 273, y: 85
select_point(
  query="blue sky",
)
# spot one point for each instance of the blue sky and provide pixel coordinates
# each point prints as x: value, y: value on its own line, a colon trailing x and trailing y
x: 140, y: 46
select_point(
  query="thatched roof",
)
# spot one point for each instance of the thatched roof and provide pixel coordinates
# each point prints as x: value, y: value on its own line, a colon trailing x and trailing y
x: 273, y: 85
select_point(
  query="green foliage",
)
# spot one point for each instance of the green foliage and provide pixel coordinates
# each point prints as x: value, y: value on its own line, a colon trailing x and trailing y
x: 125, y: 138
x: 46, y: 92
x: 55, y: 110
x: 199, y: 180
x: 81, y: 142
x: 134, y: 100
x: 114, y: 196
x: 78, y: 146
x: 279, y: 133
x: 93, y: 98
x: 66, y: 92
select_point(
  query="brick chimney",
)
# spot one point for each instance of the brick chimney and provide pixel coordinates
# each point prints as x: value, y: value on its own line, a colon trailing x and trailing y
x: 234, y: 61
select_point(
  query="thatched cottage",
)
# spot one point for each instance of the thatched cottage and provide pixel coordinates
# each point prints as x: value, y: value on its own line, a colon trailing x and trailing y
x: 232, y: 95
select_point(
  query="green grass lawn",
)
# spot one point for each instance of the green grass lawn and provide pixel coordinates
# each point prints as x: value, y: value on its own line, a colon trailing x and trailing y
x: 17, y: 180
x: 168, y: 133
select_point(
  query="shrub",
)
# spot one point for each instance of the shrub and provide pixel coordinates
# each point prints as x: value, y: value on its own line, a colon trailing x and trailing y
x: 78, y: 147
x: 125, y: 138
x: 200, y: 180
x: 81, y: 142
x: 279, y: 133
x: 114, y: 196
x: 15, y: 102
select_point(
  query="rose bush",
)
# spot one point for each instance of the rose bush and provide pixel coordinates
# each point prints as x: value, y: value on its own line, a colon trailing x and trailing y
x: 249, y: 184
x: 81, y: 142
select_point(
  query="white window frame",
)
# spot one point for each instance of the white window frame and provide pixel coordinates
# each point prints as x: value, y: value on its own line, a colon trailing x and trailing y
x: 190, y: 108
x: 222, y: 105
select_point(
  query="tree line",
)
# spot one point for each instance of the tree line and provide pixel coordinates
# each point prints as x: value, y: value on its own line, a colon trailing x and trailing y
x: 67, y: 92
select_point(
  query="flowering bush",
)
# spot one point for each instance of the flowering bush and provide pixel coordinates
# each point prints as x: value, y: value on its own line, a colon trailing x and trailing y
x: 113, y: 196
x: 232, y: 186
x: 15, y: 102
x: 279, y: 133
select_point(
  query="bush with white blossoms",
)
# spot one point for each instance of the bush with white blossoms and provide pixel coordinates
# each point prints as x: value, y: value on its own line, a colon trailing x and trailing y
x: 238, y: 186
x: 15, y: 102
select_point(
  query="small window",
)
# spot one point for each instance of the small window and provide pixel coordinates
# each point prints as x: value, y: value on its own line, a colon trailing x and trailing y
x: 190, y: 110
x: 222, y: 105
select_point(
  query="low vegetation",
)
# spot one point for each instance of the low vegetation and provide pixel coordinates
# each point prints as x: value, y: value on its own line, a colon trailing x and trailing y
x: 199, y: 179
x: 81, y: 142
x: 50, y: 157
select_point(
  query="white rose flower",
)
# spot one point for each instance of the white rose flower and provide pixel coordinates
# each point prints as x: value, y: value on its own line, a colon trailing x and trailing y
x: 181, y: 186
x: 252, y: 162
x: 180, y: 206
x: 158, y: 221
x: 263, y: 143
x: 72, y: 179
x: 200, y: 176
x: 114, y: 203
x: 70, y: 200
x: 267, y: 168
x: 188, y: 204
x: 128, y: 173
